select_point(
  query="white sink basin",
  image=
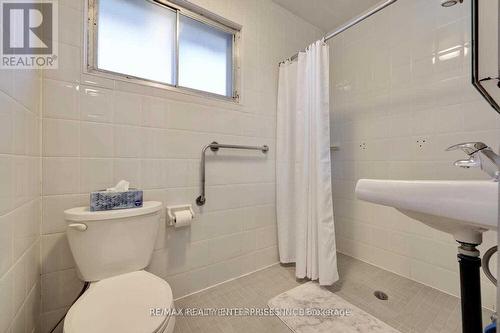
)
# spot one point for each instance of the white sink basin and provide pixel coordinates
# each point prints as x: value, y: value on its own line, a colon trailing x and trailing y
x: 464, y: 209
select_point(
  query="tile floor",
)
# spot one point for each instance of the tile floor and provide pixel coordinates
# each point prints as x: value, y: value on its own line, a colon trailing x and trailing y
x: 411, y: 308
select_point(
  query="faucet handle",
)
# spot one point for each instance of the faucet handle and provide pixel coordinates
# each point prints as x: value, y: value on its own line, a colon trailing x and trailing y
x: 468, y: 147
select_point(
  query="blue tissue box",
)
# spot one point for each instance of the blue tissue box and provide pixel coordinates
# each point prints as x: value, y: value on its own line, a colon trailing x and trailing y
x: 103, y: 200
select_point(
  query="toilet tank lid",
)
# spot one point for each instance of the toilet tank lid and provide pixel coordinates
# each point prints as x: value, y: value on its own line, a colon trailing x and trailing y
x: 84, y: 214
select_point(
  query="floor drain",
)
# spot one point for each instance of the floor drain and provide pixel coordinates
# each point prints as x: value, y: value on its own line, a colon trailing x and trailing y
x: 381, y: 295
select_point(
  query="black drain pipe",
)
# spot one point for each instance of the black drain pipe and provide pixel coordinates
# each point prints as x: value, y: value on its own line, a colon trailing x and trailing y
x: 470, y: 288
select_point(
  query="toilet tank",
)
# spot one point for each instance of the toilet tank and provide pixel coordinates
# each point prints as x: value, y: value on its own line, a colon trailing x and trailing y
x: 114, y: 242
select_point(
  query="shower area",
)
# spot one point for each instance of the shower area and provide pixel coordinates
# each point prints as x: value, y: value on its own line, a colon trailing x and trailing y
x: 382, y: 96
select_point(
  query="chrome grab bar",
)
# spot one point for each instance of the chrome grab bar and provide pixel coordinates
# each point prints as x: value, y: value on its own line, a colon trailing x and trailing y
x: 214, y: 146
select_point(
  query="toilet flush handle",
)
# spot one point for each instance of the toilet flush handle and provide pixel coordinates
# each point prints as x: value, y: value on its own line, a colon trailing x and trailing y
x: 78, y: 226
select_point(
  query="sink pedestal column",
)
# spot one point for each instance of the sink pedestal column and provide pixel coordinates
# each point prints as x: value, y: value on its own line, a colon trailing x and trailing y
x: 470, y: 288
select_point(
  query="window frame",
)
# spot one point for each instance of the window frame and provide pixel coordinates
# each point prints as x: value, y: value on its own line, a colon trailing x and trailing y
x: 195, y: 13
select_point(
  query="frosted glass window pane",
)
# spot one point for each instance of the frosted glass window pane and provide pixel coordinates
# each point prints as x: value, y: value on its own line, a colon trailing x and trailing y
x: 137, y: 38
x: 205, y: 57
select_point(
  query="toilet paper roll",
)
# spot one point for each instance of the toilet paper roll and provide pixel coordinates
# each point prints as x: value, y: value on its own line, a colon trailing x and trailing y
x: 182, y: 218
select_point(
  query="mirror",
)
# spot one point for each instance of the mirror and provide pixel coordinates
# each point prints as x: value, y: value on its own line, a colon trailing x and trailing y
x: 486, y: 50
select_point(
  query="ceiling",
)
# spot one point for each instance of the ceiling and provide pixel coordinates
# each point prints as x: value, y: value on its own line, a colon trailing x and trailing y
x: 327, y: 14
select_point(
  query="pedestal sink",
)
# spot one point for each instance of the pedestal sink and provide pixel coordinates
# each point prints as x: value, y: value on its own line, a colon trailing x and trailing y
x: 464, y: 209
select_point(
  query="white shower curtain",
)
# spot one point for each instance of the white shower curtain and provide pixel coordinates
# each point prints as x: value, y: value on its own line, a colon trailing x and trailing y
x: 306, y: 233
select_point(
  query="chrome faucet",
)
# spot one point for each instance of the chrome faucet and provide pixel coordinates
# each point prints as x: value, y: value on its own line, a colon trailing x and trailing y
x: 480, y: 156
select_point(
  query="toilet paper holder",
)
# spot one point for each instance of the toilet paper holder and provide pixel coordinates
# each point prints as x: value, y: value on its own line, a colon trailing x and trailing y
x: 171, y: 210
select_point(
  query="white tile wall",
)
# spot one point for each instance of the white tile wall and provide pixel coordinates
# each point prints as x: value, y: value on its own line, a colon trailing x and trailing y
x: 19, y: 200
x: 97, y: 131
x: 401, y: 94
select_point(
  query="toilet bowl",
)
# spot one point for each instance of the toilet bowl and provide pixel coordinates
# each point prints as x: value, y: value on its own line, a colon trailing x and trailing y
x: 111, y: 250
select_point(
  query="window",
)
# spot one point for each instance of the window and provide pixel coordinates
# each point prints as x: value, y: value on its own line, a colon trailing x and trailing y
x: 163, y: 43
x: 205, y: 50
x: 137, y: 39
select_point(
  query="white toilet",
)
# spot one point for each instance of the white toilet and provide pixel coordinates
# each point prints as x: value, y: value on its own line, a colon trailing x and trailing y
x: 111, y: 249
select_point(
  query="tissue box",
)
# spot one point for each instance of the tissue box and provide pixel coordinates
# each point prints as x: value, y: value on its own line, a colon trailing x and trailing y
x: 106, y: 200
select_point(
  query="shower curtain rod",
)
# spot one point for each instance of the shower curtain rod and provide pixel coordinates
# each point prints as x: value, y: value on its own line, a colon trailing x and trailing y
x: 353, y: 22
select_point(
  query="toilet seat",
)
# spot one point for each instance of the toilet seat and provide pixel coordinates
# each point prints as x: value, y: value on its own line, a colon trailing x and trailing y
x: 122, y: 304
